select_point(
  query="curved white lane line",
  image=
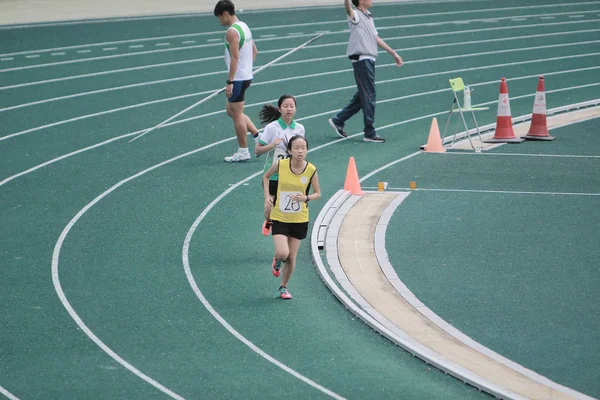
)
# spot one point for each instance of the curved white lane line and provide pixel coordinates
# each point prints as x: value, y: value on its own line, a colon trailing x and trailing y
x: 104, y: 347
x: 65, y: 301
x: 455, y: 32
x: 217, y: 316
x: 180, y: 78
x: 39, y: 166
x: 293, y: 78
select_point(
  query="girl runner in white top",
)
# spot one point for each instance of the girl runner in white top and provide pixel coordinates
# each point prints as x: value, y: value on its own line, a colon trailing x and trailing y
x: 273, y: 140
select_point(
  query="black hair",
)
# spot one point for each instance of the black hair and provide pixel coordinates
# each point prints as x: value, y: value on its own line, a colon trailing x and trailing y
x: 224, y: 6
x: 292, y: 140
x: 355, y: 2
x: 270, y: 113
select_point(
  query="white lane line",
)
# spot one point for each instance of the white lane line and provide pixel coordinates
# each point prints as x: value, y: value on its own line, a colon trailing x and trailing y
x: 550, y: 46
x: 498, y: 191
x: 268, y: 35
x: 214, y: 40
x: 8, y: 394
x: 60, y: 53
x: 576, y: 16
x: 277, y: 50
x: 109, y: 49
x: 518, y: 19
x: 81, y: 60
x: 83, y: 51
x: 527, y: 155
x: 546, y: 18
x: 286, y: 49
x: 7, y: 59
x: 65, y: 302
x: 216, y: 315
x: 295, y: 33
x: 279, y: 80
x: 136, y: 46
x: 39, y: 166
x: 162, y: 44
x: 218, y: 57
x: 344, y: 31
x: 32, y: 56
x: 188, y: 41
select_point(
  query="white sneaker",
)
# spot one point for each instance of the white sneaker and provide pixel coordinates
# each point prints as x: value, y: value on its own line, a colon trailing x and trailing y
x: 238, y: 157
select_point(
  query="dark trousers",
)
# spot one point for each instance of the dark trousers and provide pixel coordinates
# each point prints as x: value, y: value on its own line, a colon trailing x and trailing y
x: 364, y: 99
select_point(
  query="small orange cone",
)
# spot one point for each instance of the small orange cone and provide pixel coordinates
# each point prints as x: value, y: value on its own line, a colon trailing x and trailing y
x: 504, y: 130
x: 539, y: 127
x: 434, y: 142
x: 352, y: 183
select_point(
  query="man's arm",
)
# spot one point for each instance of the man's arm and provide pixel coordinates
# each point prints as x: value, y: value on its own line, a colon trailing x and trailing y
x: 387, y: 48
x: 349, y: 9
x: 254, y: 51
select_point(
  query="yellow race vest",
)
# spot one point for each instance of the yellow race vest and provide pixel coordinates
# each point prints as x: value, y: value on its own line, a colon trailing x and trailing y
x: 286, y: 209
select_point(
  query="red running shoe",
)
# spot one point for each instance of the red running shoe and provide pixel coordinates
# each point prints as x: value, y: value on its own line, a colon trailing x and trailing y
x: 276, y: 267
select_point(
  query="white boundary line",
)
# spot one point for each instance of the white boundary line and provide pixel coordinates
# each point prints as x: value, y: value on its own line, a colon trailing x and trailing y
x: 8, y: 394
x: 493, y: 191
x: 62, y: 122
x: 148, y: 83
x: 341, y: 203
x: 266, y: 51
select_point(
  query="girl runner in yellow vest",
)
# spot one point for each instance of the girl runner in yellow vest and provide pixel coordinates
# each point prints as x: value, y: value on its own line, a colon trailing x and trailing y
x: 273, y: 140
x: 289, y: 213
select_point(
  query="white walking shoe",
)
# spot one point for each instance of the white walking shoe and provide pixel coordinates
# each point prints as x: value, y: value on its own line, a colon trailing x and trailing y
x: 238, y: 157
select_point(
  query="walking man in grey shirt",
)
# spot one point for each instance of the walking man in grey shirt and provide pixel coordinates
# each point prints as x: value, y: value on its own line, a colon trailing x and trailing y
x: 362, y: 50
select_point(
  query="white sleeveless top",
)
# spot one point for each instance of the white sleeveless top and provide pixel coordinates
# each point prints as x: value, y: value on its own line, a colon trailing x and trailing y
x: 245, y: 63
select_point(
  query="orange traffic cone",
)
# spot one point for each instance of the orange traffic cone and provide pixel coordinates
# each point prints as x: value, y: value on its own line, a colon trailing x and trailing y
x: 352, y: 183
x: 539, y: 128
x: 504, y: 130
x: 434, y: 142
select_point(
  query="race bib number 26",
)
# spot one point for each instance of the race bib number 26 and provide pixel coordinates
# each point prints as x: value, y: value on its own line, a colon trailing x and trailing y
x: 287, y: 205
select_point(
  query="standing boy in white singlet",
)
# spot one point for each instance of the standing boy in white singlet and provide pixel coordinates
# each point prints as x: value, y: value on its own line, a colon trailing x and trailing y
x: 240, y: 53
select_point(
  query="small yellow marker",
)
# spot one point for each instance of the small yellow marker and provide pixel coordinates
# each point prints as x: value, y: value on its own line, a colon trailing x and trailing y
x: 381, y: 186
x: 413, y: 185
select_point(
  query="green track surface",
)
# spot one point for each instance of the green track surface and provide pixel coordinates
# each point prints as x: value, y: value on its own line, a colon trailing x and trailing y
x: 120, y: 265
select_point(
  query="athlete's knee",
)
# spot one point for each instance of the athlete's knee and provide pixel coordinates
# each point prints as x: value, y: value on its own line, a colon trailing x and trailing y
x: 281, y: 255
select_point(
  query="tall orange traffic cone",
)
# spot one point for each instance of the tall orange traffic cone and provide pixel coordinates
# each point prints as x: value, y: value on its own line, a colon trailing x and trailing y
x: 352, y: 183
x: 504, y: 130
x: 539, y: 128
x: 434, y: 142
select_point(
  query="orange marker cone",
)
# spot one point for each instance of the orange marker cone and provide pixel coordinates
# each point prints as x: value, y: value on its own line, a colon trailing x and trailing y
x: 434, y: 142
x: 352, y: 183
x: 504, y: 130
x: 539, y: 128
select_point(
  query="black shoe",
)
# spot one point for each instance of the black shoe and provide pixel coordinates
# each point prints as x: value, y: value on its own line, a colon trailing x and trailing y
x: 338, y: 129
x: 374, y: 139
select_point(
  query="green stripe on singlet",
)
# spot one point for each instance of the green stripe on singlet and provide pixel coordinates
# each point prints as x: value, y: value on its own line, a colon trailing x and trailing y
x: 242, y: 37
